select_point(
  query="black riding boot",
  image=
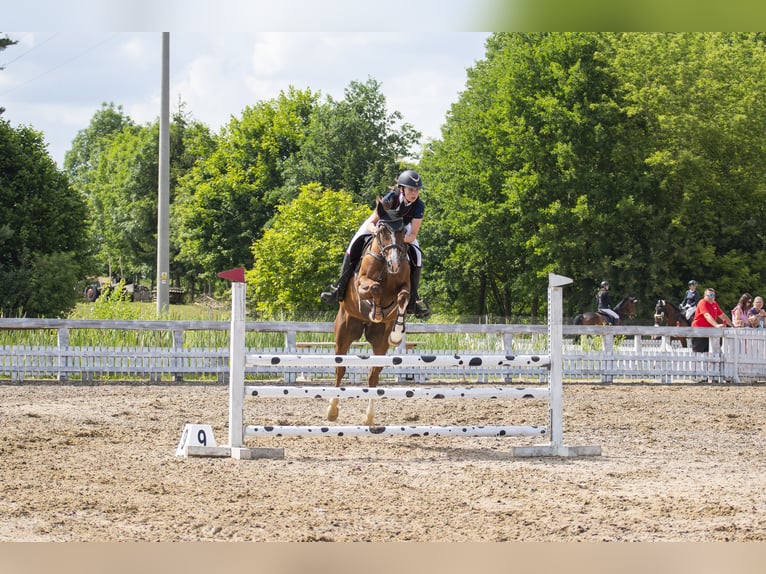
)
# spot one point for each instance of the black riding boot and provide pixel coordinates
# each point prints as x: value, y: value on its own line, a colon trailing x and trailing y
x: 415, y: 306
x: 335, y: 293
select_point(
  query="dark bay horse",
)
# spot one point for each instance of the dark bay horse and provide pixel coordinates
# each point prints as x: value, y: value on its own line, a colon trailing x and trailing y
x: 376, y: 299
x: 666, y: 314
x: 625, y: 308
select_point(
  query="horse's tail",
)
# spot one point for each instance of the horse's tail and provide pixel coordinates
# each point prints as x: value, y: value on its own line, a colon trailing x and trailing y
x: 578, y: 319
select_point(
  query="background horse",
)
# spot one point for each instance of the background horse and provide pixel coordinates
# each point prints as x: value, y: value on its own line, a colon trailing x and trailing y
x: 376, y: 300
x: 625, y: 308
x: 666, y: 314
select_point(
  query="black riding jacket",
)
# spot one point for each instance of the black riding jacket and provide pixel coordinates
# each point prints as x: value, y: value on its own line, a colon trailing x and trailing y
x: 395, y: 200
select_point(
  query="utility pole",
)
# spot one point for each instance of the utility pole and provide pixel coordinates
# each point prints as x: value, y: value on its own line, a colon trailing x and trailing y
x: 163, y: 186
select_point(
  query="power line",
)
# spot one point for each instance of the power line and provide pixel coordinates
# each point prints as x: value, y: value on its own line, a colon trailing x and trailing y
x: 57, y: 67
x: 2, y: 66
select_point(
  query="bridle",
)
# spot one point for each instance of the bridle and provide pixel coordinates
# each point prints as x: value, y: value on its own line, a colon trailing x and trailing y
x: 660, y: 312
x: 384, y: 243
x: 624, y: 302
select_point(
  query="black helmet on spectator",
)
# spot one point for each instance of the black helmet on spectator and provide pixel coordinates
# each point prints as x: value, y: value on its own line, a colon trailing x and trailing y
x: 692, y: 282
x: 410, y: 178
x: 605, y: 283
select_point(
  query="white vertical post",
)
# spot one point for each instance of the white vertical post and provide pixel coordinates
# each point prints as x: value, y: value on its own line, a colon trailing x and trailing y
x: 555, y: 346
x: 237, y: 365
x: 555, y: 381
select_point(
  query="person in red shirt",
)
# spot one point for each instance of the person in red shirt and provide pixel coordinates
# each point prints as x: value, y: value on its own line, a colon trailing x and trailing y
x: 708, y: 314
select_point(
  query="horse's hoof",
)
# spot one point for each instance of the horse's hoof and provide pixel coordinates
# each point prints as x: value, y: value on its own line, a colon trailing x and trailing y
x: 332, y: 410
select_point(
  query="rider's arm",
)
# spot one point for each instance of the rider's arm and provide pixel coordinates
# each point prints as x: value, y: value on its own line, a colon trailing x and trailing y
x: 372, y: 222
x: 414, y: 228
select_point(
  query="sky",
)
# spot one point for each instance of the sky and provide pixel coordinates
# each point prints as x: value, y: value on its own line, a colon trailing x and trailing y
x: 56, y: 81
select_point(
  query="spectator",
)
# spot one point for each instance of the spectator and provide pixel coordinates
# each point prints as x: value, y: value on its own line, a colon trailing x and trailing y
x: 740, y: 312
x: 707, y: 315
x: 757, y: 314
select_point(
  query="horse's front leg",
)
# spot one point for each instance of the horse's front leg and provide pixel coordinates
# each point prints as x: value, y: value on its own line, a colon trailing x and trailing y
x: 332, y: 408
x: 372, y: 291
x: 402, y: 300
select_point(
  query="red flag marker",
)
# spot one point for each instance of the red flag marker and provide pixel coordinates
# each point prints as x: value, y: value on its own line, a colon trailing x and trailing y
x: 237, y: 275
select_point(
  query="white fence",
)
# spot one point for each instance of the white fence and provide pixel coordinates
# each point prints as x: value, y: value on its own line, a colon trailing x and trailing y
x: 605, y: 354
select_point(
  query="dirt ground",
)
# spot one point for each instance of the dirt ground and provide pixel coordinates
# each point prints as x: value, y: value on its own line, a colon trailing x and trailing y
x: 97, y: 463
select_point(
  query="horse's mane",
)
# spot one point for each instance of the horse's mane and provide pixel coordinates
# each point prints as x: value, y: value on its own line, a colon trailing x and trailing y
x: 669, y: 303
x: 622, y: 301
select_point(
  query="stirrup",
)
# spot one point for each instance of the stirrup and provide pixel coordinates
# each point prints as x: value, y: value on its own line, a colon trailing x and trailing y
x: 419, y: 309
x: 329, y: 295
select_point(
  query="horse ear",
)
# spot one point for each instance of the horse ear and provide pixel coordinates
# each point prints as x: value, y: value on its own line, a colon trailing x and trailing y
x: 380, y: 208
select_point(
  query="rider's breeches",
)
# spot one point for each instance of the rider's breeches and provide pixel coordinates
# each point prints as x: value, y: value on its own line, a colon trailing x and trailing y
x: 610, y: 313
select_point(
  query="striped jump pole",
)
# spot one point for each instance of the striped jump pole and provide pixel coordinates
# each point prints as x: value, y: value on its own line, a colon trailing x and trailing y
x: 314, y: 360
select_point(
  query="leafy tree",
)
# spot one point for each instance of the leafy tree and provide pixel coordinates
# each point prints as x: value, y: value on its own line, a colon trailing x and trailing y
x: 301, y: 251
x: 43, y: 242
x: 81, y: 160
x: 700, y: 98
x: 598, y: 156
x: 123, y: 196
x: 353, y: 144
x: 223, y: 204
x: 525, y: 171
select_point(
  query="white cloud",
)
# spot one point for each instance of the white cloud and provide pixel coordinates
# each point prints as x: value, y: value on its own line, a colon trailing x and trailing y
x: 58, y: 86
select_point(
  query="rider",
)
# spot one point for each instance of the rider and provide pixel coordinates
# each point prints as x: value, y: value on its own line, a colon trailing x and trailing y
x: 605, y: 304
x: 404, y: 198
x: 689, y: 302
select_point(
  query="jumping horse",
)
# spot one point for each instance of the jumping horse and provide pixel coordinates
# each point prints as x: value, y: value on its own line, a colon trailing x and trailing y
x: 666, y: 314
x: 625, y: 308
x: 376, y: 299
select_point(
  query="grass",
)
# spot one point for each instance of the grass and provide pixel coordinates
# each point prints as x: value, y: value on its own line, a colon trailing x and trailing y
x: 106, y: 308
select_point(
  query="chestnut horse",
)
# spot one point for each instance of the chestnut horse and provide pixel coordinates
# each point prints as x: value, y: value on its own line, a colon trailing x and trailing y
x: 625, y: 308
x: 666, y: 314
x: 376, y: 299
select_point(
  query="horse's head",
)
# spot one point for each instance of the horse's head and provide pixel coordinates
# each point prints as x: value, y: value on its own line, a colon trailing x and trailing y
x: 389, y: 237
x: 627, y: 307
x: 660, y: 313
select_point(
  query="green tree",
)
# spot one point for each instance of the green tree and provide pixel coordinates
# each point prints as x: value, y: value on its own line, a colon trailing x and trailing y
x: 123, y: 193
x: 223, y: 204
x: 43, y: 241
x: 628, y: 157
x: 524, y: 172
x: 353, y: 144
x: 301, y: 250
x: 700, y: 97
x: 81, y: 159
